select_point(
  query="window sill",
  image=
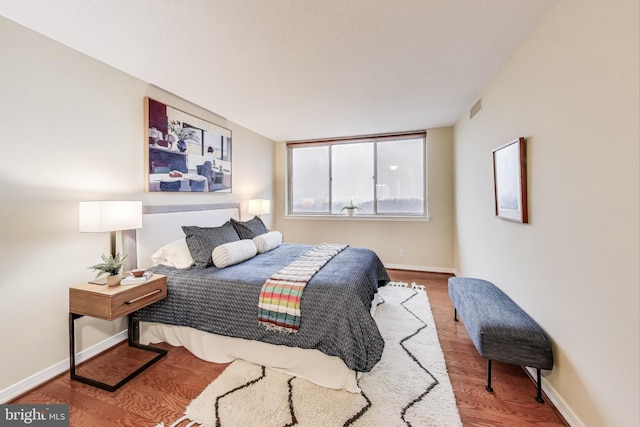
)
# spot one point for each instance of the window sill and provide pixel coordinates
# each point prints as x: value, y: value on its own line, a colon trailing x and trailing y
x: 358, y: 217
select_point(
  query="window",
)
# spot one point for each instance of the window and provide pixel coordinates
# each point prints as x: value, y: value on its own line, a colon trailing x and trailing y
x: 384, y: 175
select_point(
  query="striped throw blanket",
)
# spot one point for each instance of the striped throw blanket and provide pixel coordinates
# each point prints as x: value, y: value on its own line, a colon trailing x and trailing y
x: 279, y: 305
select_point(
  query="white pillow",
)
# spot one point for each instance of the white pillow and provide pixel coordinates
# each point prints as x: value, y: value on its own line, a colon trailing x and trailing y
x: 233, y: 252
x: 175, y: 254
x: 266, y: 242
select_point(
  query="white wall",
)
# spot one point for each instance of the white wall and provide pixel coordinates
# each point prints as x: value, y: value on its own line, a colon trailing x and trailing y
x: 427, y: 245
x: 71, y: 130
x: 572, y: 89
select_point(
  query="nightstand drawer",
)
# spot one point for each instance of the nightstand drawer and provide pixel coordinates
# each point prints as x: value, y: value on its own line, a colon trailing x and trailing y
x: 141, y: 296
x: 113, y: 302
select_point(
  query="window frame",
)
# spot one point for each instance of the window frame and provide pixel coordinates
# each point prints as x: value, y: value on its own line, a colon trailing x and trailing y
x: 290, y: 145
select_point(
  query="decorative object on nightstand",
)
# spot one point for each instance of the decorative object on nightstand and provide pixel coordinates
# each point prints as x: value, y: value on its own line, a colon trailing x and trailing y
x: 110, y: 303
x: 111, y: 265
x: 137, y: 272
x: 138, y: 276
x: 111, y: 216
x: 259, y: 207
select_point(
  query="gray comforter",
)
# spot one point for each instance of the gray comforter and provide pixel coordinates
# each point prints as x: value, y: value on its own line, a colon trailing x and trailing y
x: 335, y: 316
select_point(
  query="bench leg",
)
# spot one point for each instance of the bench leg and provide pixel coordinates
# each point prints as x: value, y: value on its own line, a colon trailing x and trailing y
x: 455, y: 314
x: 488, y: 386
x: 539, y: 396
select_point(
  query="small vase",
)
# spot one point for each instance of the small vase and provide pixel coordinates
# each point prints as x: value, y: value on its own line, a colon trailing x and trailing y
x: 350, y: 212
x: 114, y: 279
x: 182, y: 146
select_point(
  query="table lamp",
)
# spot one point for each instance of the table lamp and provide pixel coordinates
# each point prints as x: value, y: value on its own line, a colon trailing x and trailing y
x: 111, y: 216
x: 259, y: 206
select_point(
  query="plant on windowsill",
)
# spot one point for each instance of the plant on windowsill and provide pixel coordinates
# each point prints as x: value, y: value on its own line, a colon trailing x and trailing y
x: 110, y: 265
x: 350, y: 208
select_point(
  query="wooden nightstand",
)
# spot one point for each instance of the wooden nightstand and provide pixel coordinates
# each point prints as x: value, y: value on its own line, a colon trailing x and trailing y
x: 110, y: 303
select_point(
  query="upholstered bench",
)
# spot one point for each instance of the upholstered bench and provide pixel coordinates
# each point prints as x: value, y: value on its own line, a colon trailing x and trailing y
x: 499, y: 328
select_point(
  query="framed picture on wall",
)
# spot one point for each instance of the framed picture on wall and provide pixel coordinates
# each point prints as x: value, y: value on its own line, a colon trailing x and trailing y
x: 510, y: 181
x: 184, y: 153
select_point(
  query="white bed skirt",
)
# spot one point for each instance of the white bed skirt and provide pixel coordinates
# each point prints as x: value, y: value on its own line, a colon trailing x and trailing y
x: 313, y: 365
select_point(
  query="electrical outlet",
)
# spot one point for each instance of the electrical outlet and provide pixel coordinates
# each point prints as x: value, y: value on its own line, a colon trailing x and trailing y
x: 401, y: 252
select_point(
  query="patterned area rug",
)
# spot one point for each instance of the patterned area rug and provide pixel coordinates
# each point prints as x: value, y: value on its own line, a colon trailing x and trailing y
x: 408, y: 387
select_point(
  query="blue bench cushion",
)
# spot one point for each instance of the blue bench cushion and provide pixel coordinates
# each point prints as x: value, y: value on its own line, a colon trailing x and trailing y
x: 499, y: 328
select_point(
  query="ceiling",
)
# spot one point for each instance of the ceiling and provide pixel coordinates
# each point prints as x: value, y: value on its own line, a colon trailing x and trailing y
x: 300, y: 69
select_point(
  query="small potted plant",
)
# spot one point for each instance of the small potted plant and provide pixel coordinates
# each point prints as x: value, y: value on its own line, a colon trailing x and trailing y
x: 350, y: 208
x: 111, y: 265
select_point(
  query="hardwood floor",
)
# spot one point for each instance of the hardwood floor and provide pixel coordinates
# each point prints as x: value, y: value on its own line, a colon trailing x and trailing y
x: 160, y: 393
x: 163, y: 391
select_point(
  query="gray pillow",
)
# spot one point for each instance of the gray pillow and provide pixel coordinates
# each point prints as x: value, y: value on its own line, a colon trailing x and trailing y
x: 203, y: 240
x: 249, y: 229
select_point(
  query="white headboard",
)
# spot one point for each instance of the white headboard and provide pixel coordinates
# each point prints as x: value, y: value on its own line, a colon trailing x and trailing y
x: 163, y: 224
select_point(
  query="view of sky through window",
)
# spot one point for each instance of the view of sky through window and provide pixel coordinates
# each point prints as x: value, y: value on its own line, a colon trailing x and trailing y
x: 383, y: 177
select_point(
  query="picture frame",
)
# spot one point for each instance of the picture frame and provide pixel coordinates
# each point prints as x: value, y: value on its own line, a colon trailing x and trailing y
x: 184, y: 153
x: 510, y: 181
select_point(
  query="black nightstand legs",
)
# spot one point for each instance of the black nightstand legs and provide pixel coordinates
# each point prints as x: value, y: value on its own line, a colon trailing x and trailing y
x: 132, y: 341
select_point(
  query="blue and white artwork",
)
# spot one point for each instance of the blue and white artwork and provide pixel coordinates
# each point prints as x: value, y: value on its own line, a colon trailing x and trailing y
x: 185, y: 153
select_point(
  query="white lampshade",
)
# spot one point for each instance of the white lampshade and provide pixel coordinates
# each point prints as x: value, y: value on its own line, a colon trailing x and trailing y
x: 95, y: 217
x: 259, y: 206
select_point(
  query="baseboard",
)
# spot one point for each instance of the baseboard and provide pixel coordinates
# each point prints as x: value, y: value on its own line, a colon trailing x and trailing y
x: 569, y: 416
x: 47, y: 374
x: 420, y: 268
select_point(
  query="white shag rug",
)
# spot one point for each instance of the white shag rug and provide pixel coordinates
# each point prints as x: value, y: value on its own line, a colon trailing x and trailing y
x: 408, y: 387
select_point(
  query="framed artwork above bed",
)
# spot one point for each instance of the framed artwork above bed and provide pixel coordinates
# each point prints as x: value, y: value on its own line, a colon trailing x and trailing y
x: 184, y: 153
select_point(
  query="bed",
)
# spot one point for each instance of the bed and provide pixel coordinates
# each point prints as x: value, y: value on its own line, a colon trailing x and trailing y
x: 213, y: 312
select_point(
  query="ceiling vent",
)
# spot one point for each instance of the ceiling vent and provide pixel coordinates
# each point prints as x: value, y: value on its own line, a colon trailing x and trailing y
x: 477, y: 107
